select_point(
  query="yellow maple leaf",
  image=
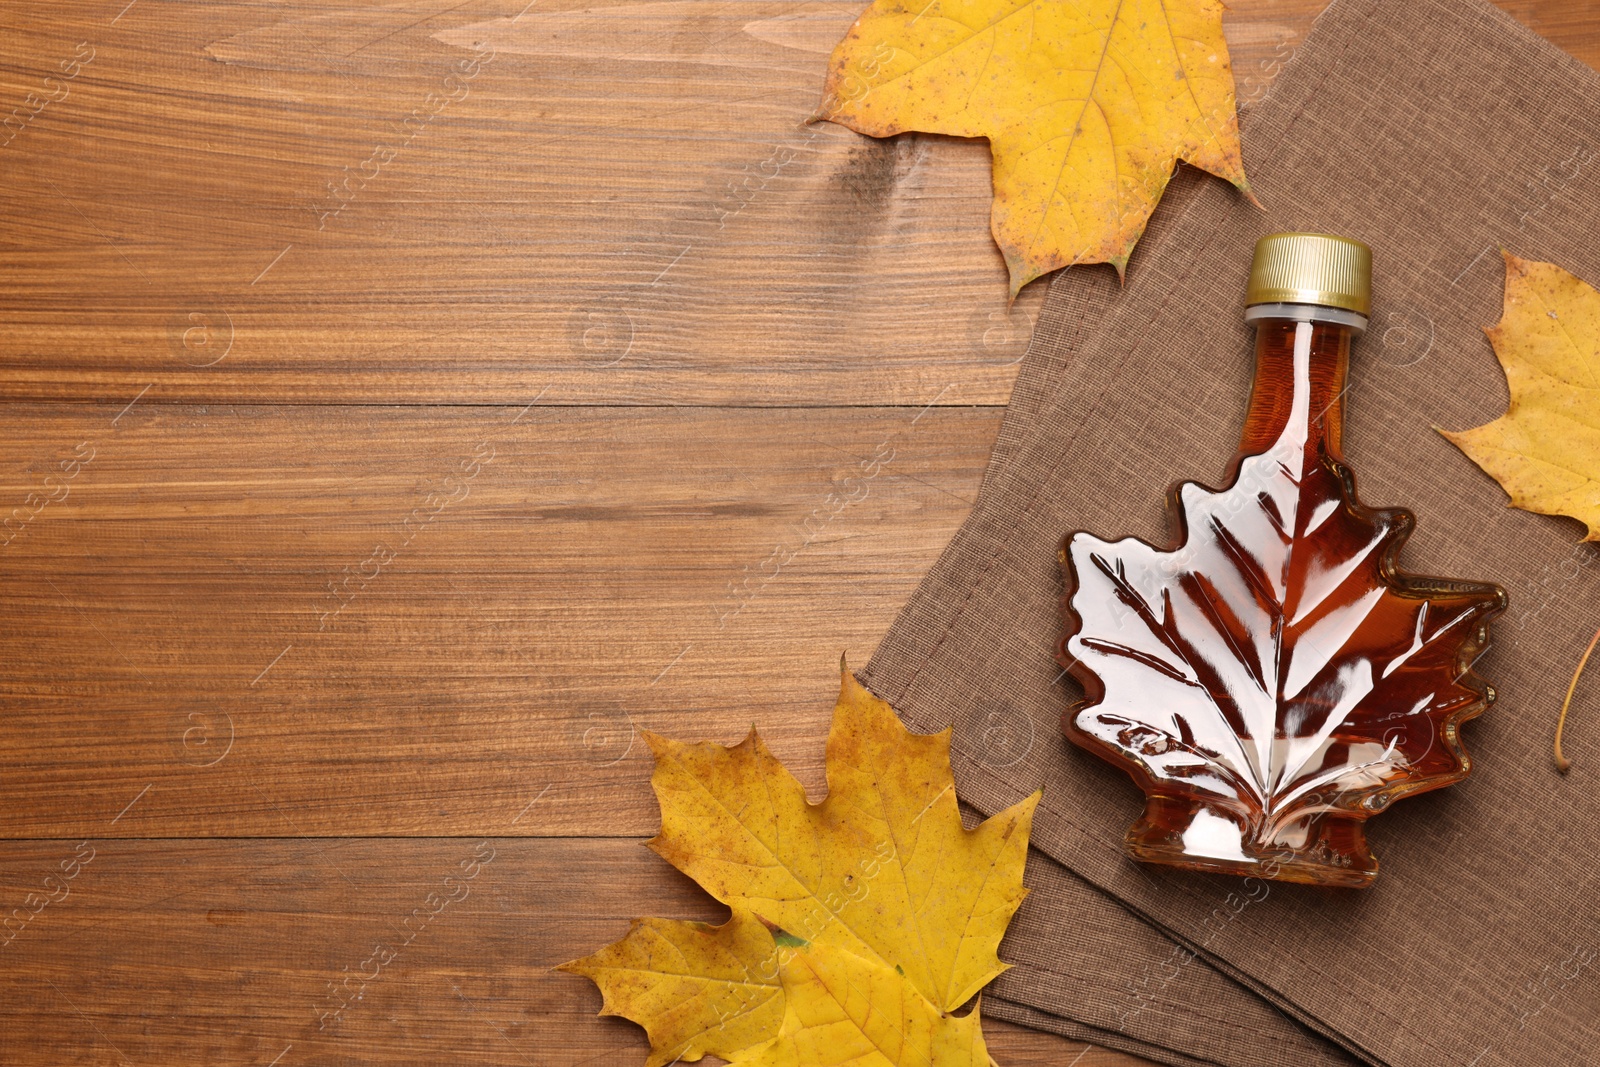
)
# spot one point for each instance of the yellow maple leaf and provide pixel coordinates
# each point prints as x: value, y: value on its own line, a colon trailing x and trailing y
x: 881, y: 912
x: 1088, y: 106
x: 696, y: 989
x: 1545, y: 450
x: 842, y: 1009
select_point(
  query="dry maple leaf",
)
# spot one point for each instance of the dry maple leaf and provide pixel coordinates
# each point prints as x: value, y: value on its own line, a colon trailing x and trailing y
x: 696, y: 989
x: 1545, y: 450
x: 859, y: 923
x: 1275, y: 670
x: 1087, y: 106
x: 842, y: 1009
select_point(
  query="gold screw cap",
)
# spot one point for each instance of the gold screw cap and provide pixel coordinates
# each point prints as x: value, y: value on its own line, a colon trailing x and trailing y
x: 1312, y: 268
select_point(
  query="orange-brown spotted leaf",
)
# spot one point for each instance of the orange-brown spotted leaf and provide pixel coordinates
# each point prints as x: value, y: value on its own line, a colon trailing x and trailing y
x: 1545, y: 450
x: 1087, y: 104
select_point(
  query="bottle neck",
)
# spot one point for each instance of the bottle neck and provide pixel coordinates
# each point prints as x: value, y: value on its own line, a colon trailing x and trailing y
x: 1298, y: 401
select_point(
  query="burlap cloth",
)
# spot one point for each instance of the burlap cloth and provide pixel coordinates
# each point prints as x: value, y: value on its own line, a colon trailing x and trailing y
x: 1177, y: 1009
x: 1438, y: 131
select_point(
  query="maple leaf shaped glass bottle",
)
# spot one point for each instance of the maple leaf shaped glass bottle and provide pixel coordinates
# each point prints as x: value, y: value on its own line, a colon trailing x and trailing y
x: 1274, y: 679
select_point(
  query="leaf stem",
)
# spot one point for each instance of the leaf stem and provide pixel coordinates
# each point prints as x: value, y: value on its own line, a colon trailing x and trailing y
x: 1562, y: 763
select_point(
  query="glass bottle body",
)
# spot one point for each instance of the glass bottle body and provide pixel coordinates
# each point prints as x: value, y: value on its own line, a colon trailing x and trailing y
x: 1273, y: 679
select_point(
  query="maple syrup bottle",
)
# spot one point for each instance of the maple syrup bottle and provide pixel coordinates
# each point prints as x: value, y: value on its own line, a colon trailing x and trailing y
x: 1273, y: 679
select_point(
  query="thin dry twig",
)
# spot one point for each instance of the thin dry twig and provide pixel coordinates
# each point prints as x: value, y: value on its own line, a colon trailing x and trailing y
x: 1562, y: 763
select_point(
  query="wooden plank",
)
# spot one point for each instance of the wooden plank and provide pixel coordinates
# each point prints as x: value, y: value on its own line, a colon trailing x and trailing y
x: 352, y: 621
x: 253, y: 952
x: 623, y: 203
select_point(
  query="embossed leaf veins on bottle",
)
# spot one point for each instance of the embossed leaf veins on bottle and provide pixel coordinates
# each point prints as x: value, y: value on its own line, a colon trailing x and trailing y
x: 1274, y: 679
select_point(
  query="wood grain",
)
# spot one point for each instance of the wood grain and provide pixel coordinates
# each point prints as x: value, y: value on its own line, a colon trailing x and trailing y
x: 738, y: 377
x: 615, y: 215
x: 393, y: 621
x: 237, y: 952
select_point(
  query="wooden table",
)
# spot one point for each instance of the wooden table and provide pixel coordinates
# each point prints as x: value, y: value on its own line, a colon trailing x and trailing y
x: 405, y: 404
